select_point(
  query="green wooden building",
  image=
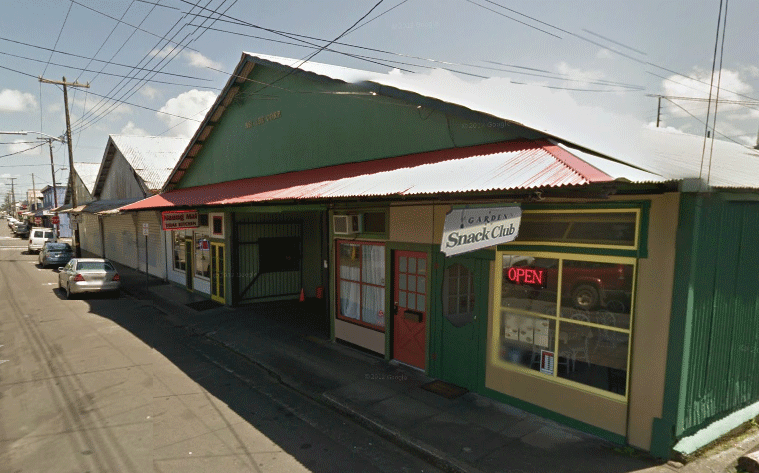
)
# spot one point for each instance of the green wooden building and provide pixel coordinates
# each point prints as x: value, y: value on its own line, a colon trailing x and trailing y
x: 626, y: 306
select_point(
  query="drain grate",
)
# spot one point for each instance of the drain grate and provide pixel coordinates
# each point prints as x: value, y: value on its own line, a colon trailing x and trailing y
x: 203, y: 305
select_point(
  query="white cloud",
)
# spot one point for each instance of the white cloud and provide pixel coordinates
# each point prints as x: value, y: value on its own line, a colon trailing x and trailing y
x: 22, y: 145
x: 16, y: 101
x: 604, y: 54
x: 193, y: 104
x: 193, y: 58
x: 132, y: 129
x: 198, y: 60
x: 149, y: 92
x: 579, y: 75
x: 732, y: 86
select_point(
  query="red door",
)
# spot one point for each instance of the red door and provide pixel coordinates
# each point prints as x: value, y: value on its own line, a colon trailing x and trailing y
x: 410, y: 303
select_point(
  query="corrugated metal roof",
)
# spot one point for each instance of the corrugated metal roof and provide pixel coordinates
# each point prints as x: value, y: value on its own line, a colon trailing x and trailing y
x: 88, y: 173
x: 105, y: 206
x: 651, y: 154
x: 499, y: 166
x: 677, y: 155
x: 152, y: 157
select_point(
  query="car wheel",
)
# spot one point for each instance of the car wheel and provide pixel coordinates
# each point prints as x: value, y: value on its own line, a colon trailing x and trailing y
x: 585, y: 296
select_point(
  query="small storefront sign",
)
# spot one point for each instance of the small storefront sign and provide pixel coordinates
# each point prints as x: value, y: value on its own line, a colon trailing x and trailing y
x: 179, y: 219
x: 471, y: 229
x: 546, y: 361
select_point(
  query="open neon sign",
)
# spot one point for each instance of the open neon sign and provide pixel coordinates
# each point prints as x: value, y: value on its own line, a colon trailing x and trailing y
x: 527, y: 276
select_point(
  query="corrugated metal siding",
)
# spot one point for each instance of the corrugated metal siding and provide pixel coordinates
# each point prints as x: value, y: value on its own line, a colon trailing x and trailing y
x: 722, y: 352
x: 254, y: 286
x: 89, y: 234
x: 156, y: 253
x: 120, y: 244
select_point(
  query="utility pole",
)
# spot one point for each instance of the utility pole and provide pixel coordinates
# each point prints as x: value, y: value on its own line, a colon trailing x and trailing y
x: 658, y: 112
x: 52, y: 169
x: 13, y: 197
x: 34, y: 194
x: 77, y: 247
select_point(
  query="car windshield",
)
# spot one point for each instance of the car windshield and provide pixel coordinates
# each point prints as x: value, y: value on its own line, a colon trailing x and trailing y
x: 94, y: 265
x: 58, y: 247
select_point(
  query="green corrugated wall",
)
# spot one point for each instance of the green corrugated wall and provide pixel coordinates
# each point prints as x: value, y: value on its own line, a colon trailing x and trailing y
x: 713, y: 355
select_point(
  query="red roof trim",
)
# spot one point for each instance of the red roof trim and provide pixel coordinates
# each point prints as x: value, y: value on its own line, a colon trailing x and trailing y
x: 584, y: 169
x: 266, y: 188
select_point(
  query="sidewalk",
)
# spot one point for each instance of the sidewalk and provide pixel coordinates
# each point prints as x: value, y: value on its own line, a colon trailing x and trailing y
x: 470, y: 433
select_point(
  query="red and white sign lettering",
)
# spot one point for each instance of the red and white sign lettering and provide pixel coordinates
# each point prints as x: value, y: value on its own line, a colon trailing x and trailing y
x: 179, y: 219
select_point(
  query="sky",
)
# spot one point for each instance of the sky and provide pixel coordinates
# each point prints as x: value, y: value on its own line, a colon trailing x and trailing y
x: 154, y: 67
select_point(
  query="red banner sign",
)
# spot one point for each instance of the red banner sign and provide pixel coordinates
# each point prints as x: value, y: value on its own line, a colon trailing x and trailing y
x: 179, y: 219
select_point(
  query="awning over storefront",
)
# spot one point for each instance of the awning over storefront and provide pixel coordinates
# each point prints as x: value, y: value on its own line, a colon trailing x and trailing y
x: 103, y: 207
x: 490, y: 167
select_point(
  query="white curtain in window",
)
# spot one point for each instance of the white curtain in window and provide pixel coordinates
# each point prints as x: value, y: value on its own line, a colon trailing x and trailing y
x: 373, y: 303
x: 373, y: 263
x: 350, y: 299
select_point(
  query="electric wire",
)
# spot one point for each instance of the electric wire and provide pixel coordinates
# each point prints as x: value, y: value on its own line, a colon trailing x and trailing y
x: 513, y: 19
x: 715, y: 131
x: 59, y: 37
x: 308, y: 58
x: 134, y: 88
x: 716, y: 98
x: 711, y: 83
x: 369, y: 59
x: 184, y: 76
x: 123, y: 22
x: 18, y: 56
x: 640, y: 61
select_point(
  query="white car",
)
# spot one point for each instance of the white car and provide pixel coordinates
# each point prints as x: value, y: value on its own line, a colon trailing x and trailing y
x: 82, y: 275
x: 38, y: 236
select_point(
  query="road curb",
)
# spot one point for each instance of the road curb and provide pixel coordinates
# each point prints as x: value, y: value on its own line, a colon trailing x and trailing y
x: 428, y: 453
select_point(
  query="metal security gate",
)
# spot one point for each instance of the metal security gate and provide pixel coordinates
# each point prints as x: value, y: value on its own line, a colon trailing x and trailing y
x: 269, y: 260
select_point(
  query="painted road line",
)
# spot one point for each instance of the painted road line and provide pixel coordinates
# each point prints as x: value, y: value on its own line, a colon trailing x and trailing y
x: 3, y: 361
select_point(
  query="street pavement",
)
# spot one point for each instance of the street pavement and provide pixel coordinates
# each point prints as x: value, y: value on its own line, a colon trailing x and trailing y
x: 109, y: 385
x: 471, y: 433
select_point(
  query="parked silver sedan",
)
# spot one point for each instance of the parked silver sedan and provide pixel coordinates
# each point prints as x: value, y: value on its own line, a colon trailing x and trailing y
x: 82, y: 275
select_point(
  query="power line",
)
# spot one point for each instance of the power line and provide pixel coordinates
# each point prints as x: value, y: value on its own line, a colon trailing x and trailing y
x: 58, y: 39
x: 513, y: 19
x: 105, y: 73
x: 23, y: 150
x: 640, y: 61
x: 548, y: 75
x: 82, y: 124
x: 100, y: 60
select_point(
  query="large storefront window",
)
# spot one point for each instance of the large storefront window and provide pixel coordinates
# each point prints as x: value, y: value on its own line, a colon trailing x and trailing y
x: 361, y: 283
x: 566, y: 317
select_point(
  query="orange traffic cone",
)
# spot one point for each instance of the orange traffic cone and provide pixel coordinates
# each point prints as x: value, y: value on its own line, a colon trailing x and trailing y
x: 302, y: 295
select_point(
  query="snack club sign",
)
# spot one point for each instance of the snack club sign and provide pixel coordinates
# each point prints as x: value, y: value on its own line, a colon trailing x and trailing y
x: 472, y: 229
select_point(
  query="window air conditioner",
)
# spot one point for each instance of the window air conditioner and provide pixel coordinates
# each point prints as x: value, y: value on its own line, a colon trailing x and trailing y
x: 346, y: 224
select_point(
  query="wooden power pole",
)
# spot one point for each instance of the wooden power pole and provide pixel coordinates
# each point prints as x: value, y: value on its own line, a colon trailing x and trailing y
x: 77, y: 248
